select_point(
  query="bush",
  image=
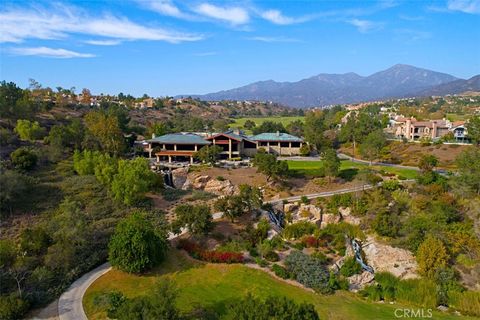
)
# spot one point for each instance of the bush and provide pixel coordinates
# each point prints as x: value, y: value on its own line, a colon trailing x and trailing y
x: 431, y: 256
x: 28, y: 130
x: 220, y: 178
x: 350, y: 267
x: 422, y: 292
x: 467, y: 302
x: 135, y: 246
x: 304, y: 200
x: 320, y: 256
x: 214, y: 256
x: 280, y: 271
x: 308, y: 271
x: 271, y: 256
x: 262, y: 263
x: 12, y: 307
x: 24, y: 158
x: 391, y: 185
x: 299, y: 229
x: 310, y: 241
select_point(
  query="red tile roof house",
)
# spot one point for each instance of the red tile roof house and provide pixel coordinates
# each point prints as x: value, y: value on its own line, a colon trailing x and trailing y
x: 411, y: 129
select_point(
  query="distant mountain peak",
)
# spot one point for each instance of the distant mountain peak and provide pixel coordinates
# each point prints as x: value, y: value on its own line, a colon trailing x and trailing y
x: 323, y: 89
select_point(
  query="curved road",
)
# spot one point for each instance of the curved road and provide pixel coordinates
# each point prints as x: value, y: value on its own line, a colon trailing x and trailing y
x: 70, y: 306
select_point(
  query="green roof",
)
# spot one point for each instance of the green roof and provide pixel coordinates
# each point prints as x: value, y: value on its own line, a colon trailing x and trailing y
x: 279, y: 136
x: 180, y: 138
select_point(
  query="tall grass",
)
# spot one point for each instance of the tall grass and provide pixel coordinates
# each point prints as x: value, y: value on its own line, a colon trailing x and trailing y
x: 467, y: 302
x: 417, y: 291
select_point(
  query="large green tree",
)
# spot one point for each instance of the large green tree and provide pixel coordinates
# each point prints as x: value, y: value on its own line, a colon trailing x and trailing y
x: 135, y: 246
x: 104, y: 130
x: 331, y: 163
x: 373, y: 144
x: 473, y: 129
x: 209, y: 154
x: 468, y: 179
x: 24, y: 158
x: 268, y: 164
x: 196, y: 218
x: 431, y: 256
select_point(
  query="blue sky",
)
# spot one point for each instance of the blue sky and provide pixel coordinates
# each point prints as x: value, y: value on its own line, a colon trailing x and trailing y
x: 163, y: 47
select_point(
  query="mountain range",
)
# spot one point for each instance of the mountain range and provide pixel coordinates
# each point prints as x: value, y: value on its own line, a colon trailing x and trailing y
x: 326, y: 89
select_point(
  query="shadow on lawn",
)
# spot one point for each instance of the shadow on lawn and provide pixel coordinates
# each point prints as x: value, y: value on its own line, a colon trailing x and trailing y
x: 348, y: 174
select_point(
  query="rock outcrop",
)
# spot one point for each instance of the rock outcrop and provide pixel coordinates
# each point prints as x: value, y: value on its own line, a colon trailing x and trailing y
x: 179, y: 177
x: 360, y: 281
x: 208, y: 184
x: 382, y: 257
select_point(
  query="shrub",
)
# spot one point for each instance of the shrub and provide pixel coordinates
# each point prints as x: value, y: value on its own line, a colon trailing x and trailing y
x: 308, y: 271
x: 262, y: 263
x: 391, y: 185
x: 431, y: 255
x: 310, y: 241
x: 214, y: 256
x: 271, y: 256
x: 299, y: 229
x: 417, y: 291
x: 220, y: 178
x: 280, y: 271
x: 28, y: 130
x: 24, y: 158
x: 304, y: 200
x: 467, y: 302
x: 350, y: 267
x: 12, y: 307
x: 135, y: 246
x: 373, y: 292
x: 320, y: 256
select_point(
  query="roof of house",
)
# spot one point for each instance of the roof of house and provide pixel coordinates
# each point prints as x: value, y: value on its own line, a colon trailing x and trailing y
x: 233, y: 134
x: 279, y: 136
x: 180, y: 138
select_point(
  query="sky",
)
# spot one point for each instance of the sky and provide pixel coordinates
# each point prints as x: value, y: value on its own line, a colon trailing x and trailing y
x: 172, y: 47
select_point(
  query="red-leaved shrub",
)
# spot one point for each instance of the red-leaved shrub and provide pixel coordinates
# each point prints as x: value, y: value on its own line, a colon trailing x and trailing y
x: 310, y: 241
x: 214, y: 256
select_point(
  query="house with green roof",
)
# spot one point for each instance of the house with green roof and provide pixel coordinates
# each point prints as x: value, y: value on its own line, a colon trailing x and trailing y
x: 234, y: 144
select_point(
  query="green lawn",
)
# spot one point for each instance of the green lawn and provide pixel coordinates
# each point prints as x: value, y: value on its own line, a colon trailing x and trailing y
x: 258, y: 121
x: 313, y: 168
x: 215, y: 285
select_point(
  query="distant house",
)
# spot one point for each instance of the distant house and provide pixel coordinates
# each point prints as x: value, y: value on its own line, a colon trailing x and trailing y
x: 234, y: 144
x: 411, y: 129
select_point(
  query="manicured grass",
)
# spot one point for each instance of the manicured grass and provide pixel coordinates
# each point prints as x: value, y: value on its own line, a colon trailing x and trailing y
x: 240, y: 122
x: 313, y: 168
x: 216, y: 285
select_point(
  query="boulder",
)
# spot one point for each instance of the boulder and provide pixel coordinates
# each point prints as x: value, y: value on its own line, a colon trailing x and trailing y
x: 360, y: 281
x: 346, y: 215
x: 290, y: 207
x: 217, y: 187
x: 328, y: 219
x: 315, y: 212
x: 382, y: 257
x: 179, y: 177
x: 199, y: 182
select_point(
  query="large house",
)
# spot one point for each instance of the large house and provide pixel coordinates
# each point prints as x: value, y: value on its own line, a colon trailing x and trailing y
x: 411, y: 129
x: 234, y: 143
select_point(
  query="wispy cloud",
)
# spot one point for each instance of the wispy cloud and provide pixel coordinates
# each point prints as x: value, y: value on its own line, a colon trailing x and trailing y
x: 466, y: 6
x: 365, y: 26
x: 50, y: 53
x: 233, y: 15
x: 60, y: 21
x: 103, y: 42
x: 205, y: 54
x: 277, y: 17
x: 411, y: 18
x: 411, y: 35
x: 273, y: 39
x: 165, y: 7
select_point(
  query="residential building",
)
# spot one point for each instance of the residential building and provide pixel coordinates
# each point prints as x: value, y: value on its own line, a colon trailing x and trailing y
x: 412, y: 129
x: 234, y: 144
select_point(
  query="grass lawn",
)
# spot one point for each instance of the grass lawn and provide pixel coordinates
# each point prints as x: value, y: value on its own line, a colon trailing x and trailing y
x: 216, y: 285
x: 313, y: 168
x: 258, y: 121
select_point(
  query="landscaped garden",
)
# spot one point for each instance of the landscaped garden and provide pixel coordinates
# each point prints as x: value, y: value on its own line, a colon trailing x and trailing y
x: 215, y: 286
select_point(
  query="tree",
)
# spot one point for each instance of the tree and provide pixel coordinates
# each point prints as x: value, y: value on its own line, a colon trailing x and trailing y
x: 221, y: 125
x: 196, y: 218
x: 106, y: 131
x: 296, y: 128
x: 15, y: 188
x: 269, y: 165
x: 28, y: 130
x: 273, y: 307
x: 431, y: 256
x: 157, y: 129
x: 428, y: 163
x: 358, y: 126
x: 251, y: 196
x: 135, y: 246
x: 86, y: 97
x: 249, y: 124
x: 133, y: 180
x: 269, y: 126
x: 314, y: 129
x: 468, y: 179
x: 305, y: 150
x: 231, y: 206
x: 24, y: 158
x: 208, y: 154
x: 473, y: 129
x: 331, y: 163
x: 10, y: 96
x: 373, y: 144
x: 67, y: 136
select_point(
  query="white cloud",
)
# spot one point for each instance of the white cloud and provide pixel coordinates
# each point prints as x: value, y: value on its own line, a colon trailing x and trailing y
x: 165, y: 7
x: 273, y: 39
x: 60, y: 21
x: 411, y: 35
x: 205, y: 54
x: 103, y: 42
x: 466, y: 6
x: 233, y: 15
x: 275, y: 16
x: 50, y: 53
x: 364, y: 25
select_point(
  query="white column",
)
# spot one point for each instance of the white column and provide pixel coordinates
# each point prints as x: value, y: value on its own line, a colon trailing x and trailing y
x: 229, y: 148
x: 169, y: 159
x: 290, y: 148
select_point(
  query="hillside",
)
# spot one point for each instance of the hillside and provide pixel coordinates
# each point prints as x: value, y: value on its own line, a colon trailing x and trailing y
x: 454, y: 87
x: 327, y: 89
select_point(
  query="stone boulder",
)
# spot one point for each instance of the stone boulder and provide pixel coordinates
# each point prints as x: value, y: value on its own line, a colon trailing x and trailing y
x: 199, y: 182
x: 382, y: 257
x: 290, y: 207
x: 314, y: 211
x: 217, y: 187
x: 328, y: 218
x: 360, y: 281
x: 179, y: 177
x: 346, y: 215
